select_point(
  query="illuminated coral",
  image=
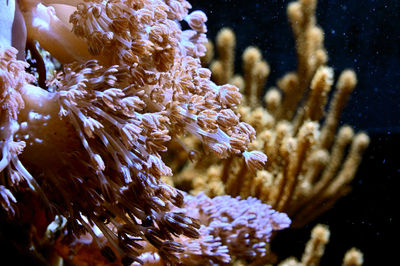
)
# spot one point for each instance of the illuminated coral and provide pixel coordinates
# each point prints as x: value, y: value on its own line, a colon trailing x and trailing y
x: 230, y: 228
x: 309, y: 166
x: 311, y: 162
x: 90, y: 141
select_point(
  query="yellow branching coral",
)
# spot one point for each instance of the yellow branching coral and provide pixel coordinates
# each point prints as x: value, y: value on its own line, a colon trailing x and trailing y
x: 315, y: 250
x: 310, y: 166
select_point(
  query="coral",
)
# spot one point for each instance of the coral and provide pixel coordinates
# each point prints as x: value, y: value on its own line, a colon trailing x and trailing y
x: 311, y: 162
x: 230, y: 228
x: 89, y: 140
x: 93, y: 154
x: 315, y: 249
x: 241, y: 225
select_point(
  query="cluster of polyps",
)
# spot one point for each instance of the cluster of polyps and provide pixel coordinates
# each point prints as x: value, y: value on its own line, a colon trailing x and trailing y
x: 90, y: 143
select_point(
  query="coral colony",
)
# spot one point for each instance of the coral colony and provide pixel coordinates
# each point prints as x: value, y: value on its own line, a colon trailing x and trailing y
x: 106, y: 108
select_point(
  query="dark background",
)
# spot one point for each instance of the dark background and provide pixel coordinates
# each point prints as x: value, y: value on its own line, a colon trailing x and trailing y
x: 364, y: 36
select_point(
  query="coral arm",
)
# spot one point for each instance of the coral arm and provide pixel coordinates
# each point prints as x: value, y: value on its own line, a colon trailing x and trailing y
x: 5, y: 160
x: 52, y: 33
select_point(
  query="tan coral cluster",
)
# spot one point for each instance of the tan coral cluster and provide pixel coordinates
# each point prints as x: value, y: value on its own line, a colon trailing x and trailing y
x: 310, y: 163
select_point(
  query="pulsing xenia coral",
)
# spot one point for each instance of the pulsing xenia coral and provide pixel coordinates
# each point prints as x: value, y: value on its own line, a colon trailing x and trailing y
x: 90, y: 142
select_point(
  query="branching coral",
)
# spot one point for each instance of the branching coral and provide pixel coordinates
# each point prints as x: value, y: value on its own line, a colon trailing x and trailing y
x: 311, y: 162
x: 309, y: 166
x: 90, y: 141
x: 315, y: 249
